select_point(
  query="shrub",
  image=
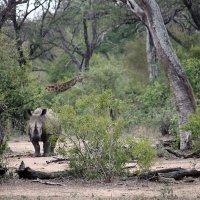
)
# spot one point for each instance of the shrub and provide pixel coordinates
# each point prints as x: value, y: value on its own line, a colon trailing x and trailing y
x: 194, y: 127
x: 17, y: 88
x: 95, y: 136
x: 154, y: 107
x: 143, y: 152
x: 195, y: 52
x: 192, y: 68
x: 94, y: 126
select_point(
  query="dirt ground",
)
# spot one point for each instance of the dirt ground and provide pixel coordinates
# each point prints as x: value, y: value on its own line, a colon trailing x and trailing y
x: 69, y: 188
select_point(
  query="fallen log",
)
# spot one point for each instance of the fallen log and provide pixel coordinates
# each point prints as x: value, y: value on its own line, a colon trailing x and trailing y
x: 195, y: 154
x: 171, y: 173
x: 178, y: 175
x: 177, y: 154
x: 167, y: 143
x: 153, y: 175
x: 28, y: 173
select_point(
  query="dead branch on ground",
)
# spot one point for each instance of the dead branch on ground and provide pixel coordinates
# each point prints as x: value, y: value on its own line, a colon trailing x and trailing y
x: 195, y: 154
x: 57, y: 160
x: 168, y: 174
x: 47, y: 182
x: 28, y: 173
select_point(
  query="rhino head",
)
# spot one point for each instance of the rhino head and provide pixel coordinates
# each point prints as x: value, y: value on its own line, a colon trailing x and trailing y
x: 36, y: 123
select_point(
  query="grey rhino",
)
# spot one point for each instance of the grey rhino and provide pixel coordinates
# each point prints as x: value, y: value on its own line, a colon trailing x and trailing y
x: 43, y: 126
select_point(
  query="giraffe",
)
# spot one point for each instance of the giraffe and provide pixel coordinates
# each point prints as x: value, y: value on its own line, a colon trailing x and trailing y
x: 61, y: 87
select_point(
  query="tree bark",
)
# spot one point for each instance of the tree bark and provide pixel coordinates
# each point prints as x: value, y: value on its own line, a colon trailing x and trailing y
x: 149, y: 13
x: 1, y: 133
x: 194, y: 9
x: 152, y: 61
x: 168, y: 174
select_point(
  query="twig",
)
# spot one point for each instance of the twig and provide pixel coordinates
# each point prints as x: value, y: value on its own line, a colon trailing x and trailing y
x: 57, y: 160
x: 129, y: 167
x: 18, y: 155
x: 47, y: 182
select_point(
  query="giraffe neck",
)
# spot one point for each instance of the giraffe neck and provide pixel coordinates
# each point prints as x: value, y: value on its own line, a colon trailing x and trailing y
x: 61, y: 87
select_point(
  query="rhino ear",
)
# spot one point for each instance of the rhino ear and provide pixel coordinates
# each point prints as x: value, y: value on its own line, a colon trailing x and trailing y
x: 44, y: 111
x: 29, y: 112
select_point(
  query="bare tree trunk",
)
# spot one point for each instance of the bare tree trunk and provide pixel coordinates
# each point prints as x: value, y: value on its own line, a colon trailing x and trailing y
x: 149, y: 13
x: 152, y: 61
x: 194, y: 9
x: 17, y: 28
x: 1, y: 134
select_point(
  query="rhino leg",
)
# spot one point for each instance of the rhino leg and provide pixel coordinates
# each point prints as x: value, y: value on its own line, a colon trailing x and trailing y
x: 37, y: 148
x: 53, y: 144
x: 46, y: 148
x: 52, y: 147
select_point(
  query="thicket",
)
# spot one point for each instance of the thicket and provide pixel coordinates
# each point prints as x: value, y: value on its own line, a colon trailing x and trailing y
x: 95, y: 128
x: 194, y: 127
x: 19, y: 90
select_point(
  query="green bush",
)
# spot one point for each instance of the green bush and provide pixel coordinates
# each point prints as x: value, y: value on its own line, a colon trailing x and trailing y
x: 143, y: 152
x: 194, y: 127
x: 18, y: 90
x: 96, y: 136
x: 195, y: 52
x: 60, y: 69
x: 192, y: 68
x: 155, y: 107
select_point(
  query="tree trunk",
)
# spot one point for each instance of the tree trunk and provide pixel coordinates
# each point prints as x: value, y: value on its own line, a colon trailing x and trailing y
x: 1, y: 136
x: 152, y: 60
x: 194, y: 9
x: 1, y: 130
x: 181, y: 88
x: 17, y: 28
x: 149, y: 13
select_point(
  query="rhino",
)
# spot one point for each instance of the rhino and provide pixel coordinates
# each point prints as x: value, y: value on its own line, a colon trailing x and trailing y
x: 43, y: 126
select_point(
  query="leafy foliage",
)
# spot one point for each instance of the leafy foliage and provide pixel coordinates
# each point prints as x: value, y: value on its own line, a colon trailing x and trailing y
x: 115, y: 41
x: 16, y: 91
x: 106, y: 74
x: 143, y: 152
x: 96, y: 136
x: 154, y: 107
x: 194, y: 127
x: 192, y: 67
x: 136, y: 59
x: 60, y: 69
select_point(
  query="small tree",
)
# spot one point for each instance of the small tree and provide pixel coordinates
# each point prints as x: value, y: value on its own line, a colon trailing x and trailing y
x: 16, y: 90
